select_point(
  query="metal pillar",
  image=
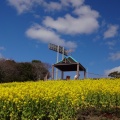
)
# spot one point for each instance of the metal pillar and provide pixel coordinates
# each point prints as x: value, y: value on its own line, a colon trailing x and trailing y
x: 84, y: 74
x: 57, y: 62
x: 62, y: 75
x: 63, y: 54
x: 52, y: 72
x: 78, y: 70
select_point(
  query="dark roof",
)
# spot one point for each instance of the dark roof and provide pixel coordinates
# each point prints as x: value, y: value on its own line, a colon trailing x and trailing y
x: 69, y: 64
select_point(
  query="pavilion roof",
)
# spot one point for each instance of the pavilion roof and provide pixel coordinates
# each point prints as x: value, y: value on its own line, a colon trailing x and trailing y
x: 69, y: 64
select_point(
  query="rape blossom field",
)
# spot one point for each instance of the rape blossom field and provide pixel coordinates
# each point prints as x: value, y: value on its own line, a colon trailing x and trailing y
x: 58, y: 99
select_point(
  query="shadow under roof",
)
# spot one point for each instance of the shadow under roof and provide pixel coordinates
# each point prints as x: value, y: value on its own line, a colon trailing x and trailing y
x: 69, y: 64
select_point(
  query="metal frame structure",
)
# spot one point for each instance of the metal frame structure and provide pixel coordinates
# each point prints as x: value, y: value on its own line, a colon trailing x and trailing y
x: 58, y: 49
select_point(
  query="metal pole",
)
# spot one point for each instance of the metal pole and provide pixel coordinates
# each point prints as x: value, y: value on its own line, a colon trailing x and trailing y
x: 62, y: 75
x: 52, y: 72
x: 63, y: 53
x: 84, y: 74
x: 78, y: 70
x: 57, y: 62
x: 87, y: 73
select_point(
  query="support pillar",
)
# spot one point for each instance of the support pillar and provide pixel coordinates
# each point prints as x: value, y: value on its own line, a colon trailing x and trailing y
x: 52, y: 72
x: 84, y: 74
x: 78, y: 70
x: 62, y: 75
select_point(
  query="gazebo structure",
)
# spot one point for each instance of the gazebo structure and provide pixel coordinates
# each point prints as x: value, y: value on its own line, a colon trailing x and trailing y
x: 68, y: 64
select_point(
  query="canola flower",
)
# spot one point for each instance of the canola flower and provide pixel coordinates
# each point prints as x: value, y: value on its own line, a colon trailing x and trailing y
x: 57, y: 99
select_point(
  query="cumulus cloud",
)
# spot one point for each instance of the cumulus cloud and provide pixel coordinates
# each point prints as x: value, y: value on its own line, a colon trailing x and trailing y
x: 85, y: 10
x: 74, y: 3
x: 82, y: 20
x: 115, y: 56
x: 52, y: 6
x: 111, y: 31
x: 22, y: 5
x: 112, y: 70
x: 48, y: 36
x: 72, y: 25
x: 85, y: 21
x: 25, y: 5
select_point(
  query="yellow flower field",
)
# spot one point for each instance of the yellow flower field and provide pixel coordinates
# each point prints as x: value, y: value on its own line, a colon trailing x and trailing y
x: 57, y: 99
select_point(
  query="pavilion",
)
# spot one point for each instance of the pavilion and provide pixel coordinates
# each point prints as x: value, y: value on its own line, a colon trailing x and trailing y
x: 68, y: 64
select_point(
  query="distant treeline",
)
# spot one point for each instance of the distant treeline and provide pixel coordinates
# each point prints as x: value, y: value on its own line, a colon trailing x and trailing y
x: 11, y: 71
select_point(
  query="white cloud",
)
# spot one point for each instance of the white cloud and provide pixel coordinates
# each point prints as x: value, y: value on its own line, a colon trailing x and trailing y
x: 98, y: 37
x: 1, y: 56
x: 52, y: 6
x: 22, y: 5
x: 111, y: 44
x: 2, y: 48
x: 36, y: 16
x: 84, y: 22
x: 111, y: 32
x: 115, y: 56
x: 48, y: 36
x: 26, y: 5
x: 112, y: 70
x: 85, y: 10
x: 72, y: 25
x: 74, y: 3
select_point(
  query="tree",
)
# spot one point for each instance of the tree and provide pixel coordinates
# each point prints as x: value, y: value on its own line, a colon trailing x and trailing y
x: 40, y: 70
x: 114, y: 74
x: 1, y: 75
x: 48, y: 67
x: 36, y: 61
x: 25, y: 71
x: 8, y: 71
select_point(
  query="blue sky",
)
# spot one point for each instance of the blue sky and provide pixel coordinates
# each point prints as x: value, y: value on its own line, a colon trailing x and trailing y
x: 88, y: 28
